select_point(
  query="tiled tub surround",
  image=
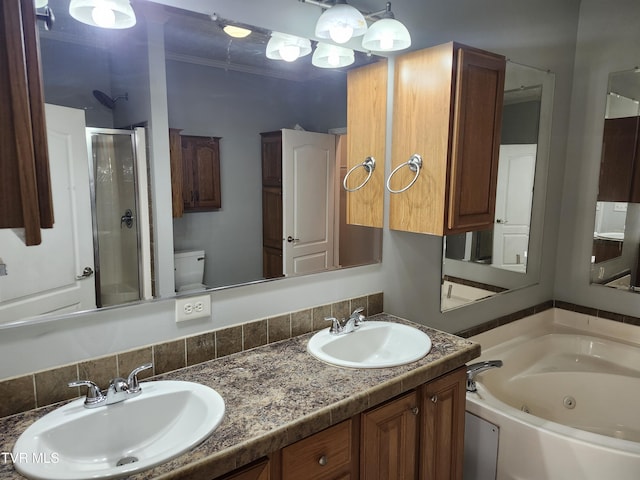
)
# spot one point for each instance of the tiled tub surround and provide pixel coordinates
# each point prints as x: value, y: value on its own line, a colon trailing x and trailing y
x: 275, y: 395
x: 552, y: 358
x: 50, y: 386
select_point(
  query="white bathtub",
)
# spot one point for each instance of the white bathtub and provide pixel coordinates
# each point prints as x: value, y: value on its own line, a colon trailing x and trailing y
x: 566, y: 401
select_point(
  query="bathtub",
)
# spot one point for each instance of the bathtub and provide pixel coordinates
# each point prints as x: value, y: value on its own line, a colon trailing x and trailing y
x: 566, y: 401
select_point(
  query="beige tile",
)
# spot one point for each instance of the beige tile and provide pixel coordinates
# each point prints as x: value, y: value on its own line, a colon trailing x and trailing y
x: 358, y: 303
x: 301, y: 322
x: 201, y: 348
x: 127, y: 361
x: 279, y: 328
x: 228, y: 341
x: 100, y: 370
x: 340, y: 310
x: 376, y: 304
x: 254, y: 334
x: 169, y: 356
x: 51, y: 385
x: 319, y: 315
x: 17, y: 395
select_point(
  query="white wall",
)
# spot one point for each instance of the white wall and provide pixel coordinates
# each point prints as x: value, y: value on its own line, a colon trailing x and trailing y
x: 608, y: 40
x: 539, y: 33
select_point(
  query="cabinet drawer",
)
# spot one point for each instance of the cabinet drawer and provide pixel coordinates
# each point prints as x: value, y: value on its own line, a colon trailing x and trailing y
x: 320, y: 456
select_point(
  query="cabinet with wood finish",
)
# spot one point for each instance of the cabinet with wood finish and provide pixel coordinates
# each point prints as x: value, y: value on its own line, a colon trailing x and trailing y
x: 619, y: 165
x: 453, y: 122
x: 271, y: 144
x: 366, y: 127
x: 25, y: 189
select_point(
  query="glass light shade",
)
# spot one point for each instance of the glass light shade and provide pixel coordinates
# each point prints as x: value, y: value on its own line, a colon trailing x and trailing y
x: 236, y: 32
x: 41, y: 3
x: 340, y: 23
x: 386, y: 35
x: 103, y: 13
x: 289, y: 48
x: 332, y: 56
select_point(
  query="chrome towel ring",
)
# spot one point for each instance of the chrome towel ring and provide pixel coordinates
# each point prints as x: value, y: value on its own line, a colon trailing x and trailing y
x: 369, y: 165
x: 415, y: 165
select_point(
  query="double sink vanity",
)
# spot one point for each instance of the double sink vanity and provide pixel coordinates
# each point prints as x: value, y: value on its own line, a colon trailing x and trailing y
x: 272, y: 412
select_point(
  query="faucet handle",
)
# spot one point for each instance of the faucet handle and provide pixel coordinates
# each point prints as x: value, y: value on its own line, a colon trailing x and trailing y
x: 132, y: 379
x: 358, y: 316
x: 94, y: 394
x: 336, y: 326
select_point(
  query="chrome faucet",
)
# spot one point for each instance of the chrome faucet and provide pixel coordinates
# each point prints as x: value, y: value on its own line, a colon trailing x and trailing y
x: 119, y: 389
x: 341, y: 327
x: 476, y: 368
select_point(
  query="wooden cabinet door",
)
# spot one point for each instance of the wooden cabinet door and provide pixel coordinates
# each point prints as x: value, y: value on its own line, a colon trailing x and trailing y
x: 177, y: 172
x: 201, y: 160
x: 366, y: 128
x: 259, y: 470
x: 475, y: 142
x: 442, y: 429
x: 271, y: 159
x: 25, y: 189
x: 389, y: 441
x: 331, y: 454
x: 618, y: 157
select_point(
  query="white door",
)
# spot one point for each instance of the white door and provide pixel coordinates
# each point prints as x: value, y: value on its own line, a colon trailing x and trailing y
x: 514, y: 193
x: 44, y: 278
x: 308, y: 166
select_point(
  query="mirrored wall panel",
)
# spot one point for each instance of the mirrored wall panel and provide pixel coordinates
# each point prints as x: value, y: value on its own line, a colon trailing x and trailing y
x: 479, y: 265
x: 197, y: 108
x: 616, y: 233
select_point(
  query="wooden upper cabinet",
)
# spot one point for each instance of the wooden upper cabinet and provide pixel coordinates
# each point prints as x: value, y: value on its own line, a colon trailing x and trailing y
x: 619, y: 153
x: 366, y: 122
x: 25, y: 190
x: 195, y: 173
x: 448, y: 109
x: 271, y: 143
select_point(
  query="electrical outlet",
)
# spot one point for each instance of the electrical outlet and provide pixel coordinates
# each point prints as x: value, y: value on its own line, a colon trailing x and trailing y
x: 193, y: 307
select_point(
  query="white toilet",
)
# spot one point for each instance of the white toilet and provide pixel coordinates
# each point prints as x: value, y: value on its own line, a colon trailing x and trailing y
x: 189, y: 270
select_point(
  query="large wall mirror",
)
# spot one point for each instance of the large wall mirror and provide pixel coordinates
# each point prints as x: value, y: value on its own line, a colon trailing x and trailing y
x: 123, y: 90
x: 479, y: 265
x: 616, y: 233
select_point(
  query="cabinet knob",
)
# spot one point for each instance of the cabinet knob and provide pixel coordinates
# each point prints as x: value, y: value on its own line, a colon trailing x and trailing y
x: 434, y: 399
x: 323, y: 460
x: 415, y: 410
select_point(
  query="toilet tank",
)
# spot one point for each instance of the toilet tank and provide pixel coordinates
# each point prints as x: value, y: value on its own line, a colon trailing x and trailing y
x: 189, y: 268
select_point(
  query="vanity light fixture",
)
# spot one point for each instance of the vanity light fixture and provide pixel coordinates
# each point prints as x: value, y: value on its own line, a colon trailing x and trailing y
x: 282, y: 46
x: 332, y: 56
x: 387, y: 34
x: 236, y: 32
x: 341, y: 22
x: 103, y: 13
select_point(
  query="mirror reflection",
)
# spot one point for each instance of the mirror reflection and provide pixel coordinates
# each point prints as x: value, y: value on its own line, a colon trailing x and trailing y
x: 616, y: 233
x: 478, y: 265
x: 177, y: 70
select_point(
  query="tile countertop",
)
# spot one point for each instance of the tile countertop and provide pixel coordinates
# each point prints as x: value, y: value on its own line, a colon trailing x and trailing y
x: 275, y: 395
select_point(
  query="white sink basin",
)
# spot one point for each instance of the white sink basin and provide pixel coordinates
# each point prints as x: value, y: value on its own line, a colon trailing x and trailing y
x: 372, y: 345
x: 73, y: 442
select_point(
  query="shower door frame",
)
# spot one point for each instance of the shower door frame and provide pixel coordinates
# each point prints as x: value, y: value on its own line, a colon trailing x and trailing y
x: 135, y: 148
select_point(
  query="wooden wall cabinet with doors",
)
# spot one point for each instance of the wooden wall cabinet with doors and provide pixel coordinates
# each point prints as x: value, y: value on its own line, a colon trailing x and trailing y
x: 195, y: 173
x: 447, y: 109
x: 619, y: 165
x: 417, y: 435
x: 366, y: 127
x: 25, y: 189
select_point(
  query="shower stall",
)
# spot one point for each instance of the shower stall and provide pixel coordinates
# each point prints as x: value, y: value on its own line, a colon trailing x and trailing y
x: 120, y: 213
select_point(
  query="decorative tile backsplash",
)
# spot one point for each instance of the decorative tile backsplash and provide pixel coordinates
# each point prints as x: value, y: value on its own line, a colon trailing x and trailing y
x: 50, y: 386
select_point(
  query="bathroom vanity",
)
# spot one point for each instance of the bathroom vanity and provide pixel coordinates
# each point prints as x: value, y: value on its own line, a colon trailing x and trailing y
x: 287, y: 412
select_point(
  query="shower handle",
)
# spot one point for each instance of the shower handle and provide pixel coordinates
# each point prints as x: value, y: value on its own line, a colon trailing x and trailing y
x: 127, y: 218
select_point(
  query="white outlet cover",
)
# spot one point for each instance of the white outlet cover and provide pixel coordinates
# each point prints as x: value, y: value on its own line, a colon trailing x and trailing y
x: 190, y: 308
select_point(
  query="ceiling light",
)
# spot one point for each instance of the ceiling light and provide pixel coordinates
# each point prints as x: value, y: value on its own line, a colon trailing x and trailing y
x: 332, y: 56
x: 387, y: 34
x: 103, y: 13
x: 289, y: 48
x: 340, y: 23
x: 236, y: 32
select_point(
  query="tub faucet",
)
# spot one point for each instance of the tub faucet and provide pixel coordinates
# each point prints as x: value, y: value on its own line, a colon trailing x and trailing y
x: 118, y: 391
x: 476, y: 368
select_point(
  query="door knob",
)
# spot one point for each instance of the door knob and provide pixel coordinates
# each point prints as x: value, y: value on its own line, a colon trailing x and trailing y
x: 86, y: 273
x: 290, y: 239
